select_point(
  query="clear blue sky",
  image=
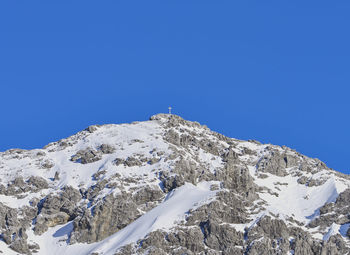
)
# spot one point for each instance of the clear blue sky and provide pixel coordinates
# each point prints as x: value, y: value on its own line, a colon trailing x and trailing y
x: 274, y: 71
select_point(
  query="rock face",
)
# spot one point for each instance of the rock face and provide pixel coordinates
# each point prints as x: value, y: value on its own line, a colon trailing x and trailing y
x: 113, y: 187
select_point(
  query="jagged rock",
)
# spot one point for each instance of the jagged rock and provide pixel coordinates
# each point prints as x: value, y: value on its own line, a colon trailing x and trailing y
x: 186, y: 241
x: 237, y: 178
x: 55, y: 210
x: 191, y: 239
x: 153, y: 161
x: 335, y: 245
x: 147, y: 194
x: 41, y: 153
x: 47, y: 164
x: 249, y: 151
x: 218, y: 210
x: 94, y: 190
x: 276, y: 163
x: 220, y: 237
x: 37, y: 183
x: 155, y: 239
x: 107, y: 149
x: 230, y: 156
x: 273, y: 228
x: 20, y: 246
x: 57, y: 176
x: 187, y: 169
x: 316, y: 182
x: 106, y: 218
x: 13, y: 229
x: 129, y: 161
x: 97, y: 176
x: 91, y: 129
x: 110, y: 197
x: 337, y: 212
x: 302, y: 180
x: 86, y: 156
x: 170, y: 182
x: 43, y: 222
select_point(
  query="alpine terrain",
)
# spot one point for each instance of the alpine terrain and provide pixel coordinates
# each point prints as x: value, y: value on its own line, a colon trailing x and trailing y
x: 169, y: 186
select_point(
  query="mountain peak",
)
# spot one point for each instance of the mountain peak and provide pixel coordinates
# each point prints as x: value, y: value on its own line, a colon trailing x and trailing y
x: 169, y: 186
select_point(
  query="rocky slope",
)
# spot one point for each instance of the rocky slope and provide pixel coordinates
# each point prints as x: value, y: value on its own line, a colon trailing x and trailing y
x: 169, y: 186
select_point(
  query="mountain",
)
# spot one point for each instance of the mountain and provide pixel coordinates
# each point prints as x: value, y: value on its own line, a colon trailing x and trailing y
x: 169, y: 186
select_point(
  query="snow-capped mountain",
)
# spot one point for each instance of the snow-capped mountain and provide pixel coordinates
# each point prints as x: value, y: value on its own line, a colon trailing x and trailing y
x: 169, y: 186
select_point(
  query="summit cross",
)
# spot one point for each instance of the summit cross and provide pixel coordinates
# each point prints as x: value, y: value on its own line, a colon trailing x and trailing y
x: 170, y: 109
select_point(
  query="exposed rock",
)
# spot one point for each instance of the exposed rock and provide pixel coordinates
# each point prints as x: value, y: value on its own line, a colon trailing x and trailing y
x: 37, y: 183
x: 107, y: 149
x: 86, y: 156
x: 57, y: 176
x: 91, y: 129
x: 170, y: 182
x: 110, y: 197
x: 104, y: 219
x: 230, y: 156
x: 302, y: 180
x: 237, y: 178
x: 47, y: 164
x: 147, y: 194
x: 221, y: 237
x: 130, y: 161
x: 43, y: 221
x: 276, y: 163
x: 20, y: 246
x: 336, y: 212
x: 57, y: 209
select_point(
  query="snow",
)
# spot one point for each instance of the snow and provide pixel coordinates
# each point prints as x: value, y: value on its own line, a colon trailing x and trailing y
x: 336, y: 229
x: 77, y: 175
x: 144, y: 138
x: 298, y: 200
x: 172, y: 210
x: 333, y: 230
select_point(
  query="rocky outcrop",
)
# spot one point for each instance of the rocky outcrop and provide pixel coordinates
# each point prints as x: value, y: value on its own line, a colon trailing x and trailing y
x: 13, y: 225
x: 104, y: 219
x: 237, y: 178
x: 335, y: 212
x: 86, y: 156
x: 19, y: 186
x: 116, y: 183
x: 221, y: 237
x: 276, y: 163
x: 57, y: 209
x: 90, y: 155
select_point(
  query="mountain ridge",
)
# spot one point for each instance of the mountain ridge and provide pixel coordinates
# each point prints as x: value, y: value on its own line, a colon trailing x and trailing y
x: 169, y: 186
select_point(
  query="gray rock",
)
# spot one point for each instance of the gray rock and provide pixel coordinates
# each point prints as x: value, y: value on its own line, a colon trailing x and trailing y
x: 104, y: 219
x: 276, y: 163
x: 221, y: 237
x: 86, y: 156
x: 302, y: 180
x: 91, y: 129
x: 147, y: 194
x: 37, y: 183
x: 20, y: 246
x: 47, y: 164
x: 170, y: 182
x: 57, y: 209
x: 107, y: 149
x: 230, y: 156
x: 43, y: 221
x: 57, y: 176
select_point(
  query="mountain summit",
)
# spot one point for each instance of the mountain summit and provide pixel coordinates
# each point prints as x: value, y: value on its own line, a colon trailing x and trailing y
x: 169, y: 186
